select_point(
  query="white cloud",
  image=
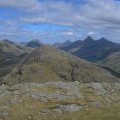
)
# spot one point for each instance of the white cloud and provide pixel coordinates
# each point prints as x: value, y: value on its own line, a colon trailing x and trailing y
x: 70, y: 33
x: 102, y: 17
x: 102, y: 13
x: 91, y: 33
x: 18, y: 3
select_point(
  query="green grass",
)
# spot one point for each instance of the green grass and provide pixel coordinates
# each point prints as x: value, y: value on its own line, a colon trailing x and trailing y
x: 34, y: 110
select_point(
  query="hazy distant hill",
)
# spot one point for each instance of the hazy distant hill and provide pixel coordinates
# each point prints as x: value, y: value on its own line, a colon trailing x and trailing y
x: 10, y: 54
x: 8, y: 41
x: 62, y: 44
x: 112, y: 61
x: 50, y: 64
x: 33, y: 44
x: 92, y: 50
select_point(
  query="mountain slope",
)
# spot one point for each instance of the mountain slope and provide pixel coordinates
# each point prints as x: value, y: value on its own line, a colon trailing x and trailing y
x: 92, y: 50
x: 50, y: 64
x: 112, y: 61
x: 10, y: 55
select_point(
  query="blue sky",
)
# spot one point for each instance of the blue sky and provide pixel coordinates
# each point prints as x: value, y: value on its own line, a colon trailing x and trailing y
x: 59, y: 20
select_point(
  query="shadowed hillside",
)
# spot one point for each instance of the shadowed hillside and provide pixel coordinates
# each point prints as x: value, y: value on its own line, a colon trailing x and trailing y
x: 10, y: 55
x: 112, y: 61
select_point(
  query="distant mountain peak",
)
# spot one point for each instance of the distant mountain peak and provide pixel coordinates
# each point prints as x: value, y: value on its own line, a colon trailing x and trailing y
x: 8, y: 41
x: 103, y: 39
x: 88, y: 39
x: 34, y: 43
x: 61, y: 44
x: 67, y: 42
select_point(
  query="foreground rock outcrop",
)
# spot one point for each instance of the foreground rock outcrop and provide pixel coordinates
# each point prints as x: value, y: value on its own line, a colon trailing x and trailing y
x: 59, y: 100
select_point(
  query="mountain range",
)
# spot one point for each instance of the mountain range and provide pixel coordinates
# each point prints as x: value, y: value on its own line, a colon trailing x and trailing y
x: 90, y: 49
x: 46, y: 63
